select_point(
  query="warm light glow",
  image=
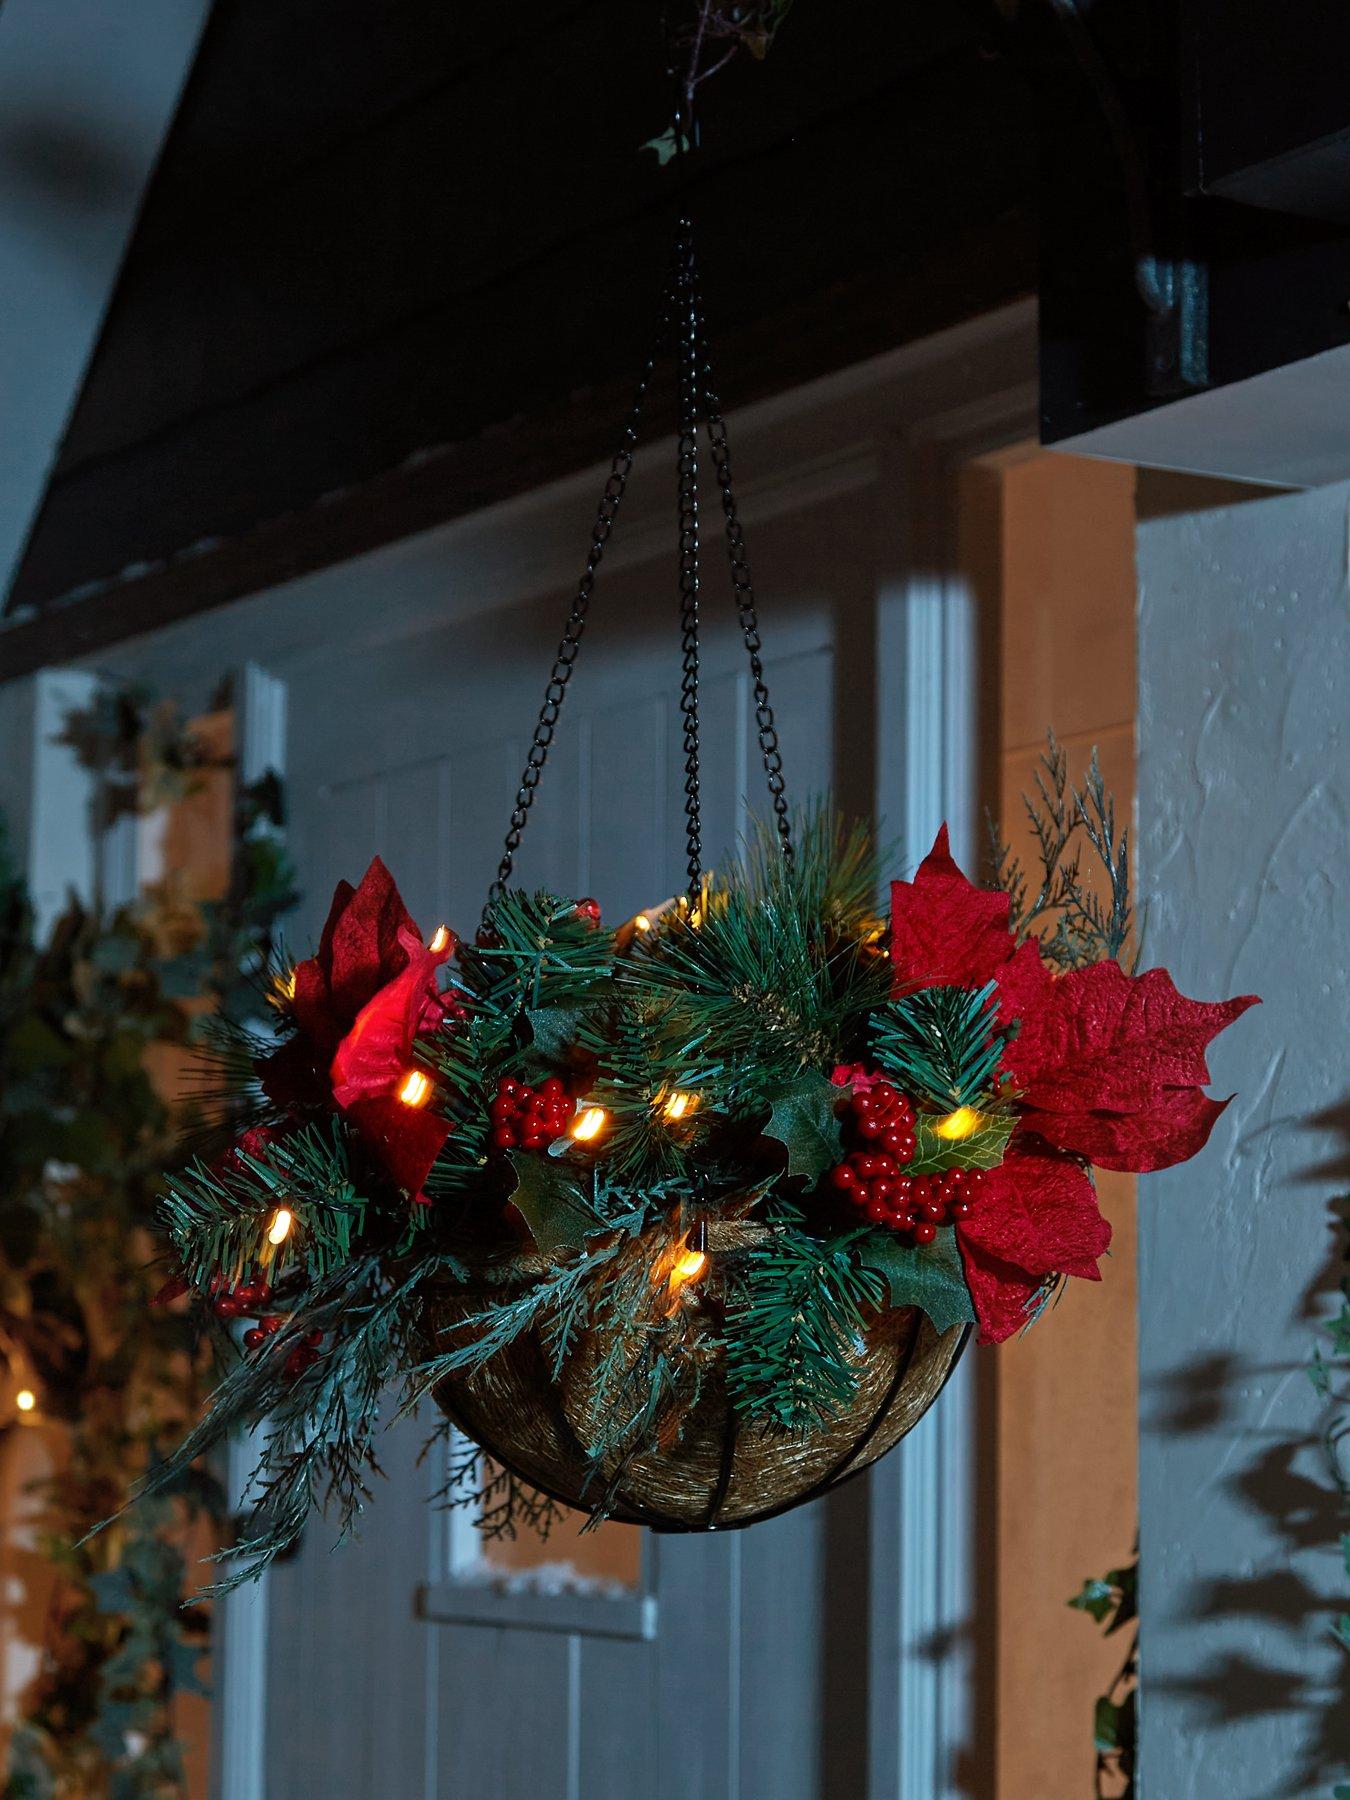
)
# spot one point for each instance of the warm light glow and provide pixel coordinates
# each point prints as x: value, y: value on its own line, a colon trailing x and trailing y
x: 962, y: 1123
x: 689, y: 1265
x: 441, y: 940
x: 678, y: 1106
x: 280, y: 1228
x: 416, y: 1089
x: 25, y: 1400
x: 589, y: 1124
x: 642, y: 922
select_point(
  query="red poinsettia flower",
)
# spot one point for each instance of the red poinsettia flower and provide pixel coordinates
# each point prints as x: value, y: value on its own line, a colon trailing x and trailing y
x: 1036, y: 1216
x: 359, y: 1004
x: 1108, y: 1067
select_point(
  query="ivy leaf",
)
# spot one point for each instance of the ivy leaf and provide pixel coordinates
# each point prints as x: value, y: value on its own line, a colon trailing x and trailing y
x: 663, y: 144
x: 555, y: 1030
x: 1096, y: 1598
x: 1106, y: 1727
x: 803, y: 1121
x: 928, y: 1276
x: 1340, y: 1332
x: 983, y: 1149
x: 1319, y: 1375
x: 551, y: 1204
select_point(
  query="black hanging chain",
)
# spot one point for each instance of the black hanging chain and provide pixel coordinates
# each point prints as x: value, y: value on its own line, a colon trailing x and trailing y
x: 681, y: 312
x: 744, y: 588
x: 687, y: 330
x: 621, y: 467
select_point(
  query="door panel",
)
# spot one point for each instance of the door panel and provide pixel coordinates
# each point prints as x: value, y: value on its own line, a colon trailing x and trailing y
x: 420, y: 764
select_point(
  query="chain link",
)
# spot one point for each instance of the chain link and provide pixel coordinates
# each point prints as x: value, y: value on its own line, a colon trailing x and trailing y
x: 688, y: 327
x: 744, y: 589
x: 681, y: 311
x: 621, y: 467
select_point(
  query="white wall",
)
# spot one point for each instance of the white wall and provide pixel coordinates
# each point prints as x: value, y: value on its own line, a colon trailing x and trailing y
x: 1244, y: 794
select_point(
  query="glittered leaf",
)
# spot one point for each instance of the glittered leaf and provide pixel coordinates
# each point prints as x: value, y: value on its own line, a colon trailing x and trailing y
x: 551, y: 1204
x: 555, y: 1030
x: 804, y: 1122
x: 928, y: 1276
x: 984, y: 1148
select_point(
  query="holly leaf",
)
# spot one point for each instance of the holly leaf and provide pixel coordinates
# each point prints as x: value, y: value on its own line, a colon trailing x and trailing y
x: 555, y: 1030
x: 803, y: 1121
x: 552, y: 1205
x: 984, y: 1148
x: 928, y: 1276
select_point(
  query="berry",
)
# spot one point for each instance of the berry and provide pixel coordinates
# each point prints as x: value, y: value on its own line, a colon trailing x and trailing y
x: 254, y: 1337
x: 528, y: 1118
x: 270, y: 1324
x: 314, y: 1339
x: 879, y: 1127
x: 589, y: 910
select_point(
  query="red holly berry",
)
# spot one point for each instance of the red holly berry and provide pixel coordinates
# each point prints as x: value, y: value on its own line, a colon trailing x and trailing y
x: 528, y: 1118
x: 880, y: 1123
x: 254, y: 1337
x: 270, y: 1324
x: 589, y: 910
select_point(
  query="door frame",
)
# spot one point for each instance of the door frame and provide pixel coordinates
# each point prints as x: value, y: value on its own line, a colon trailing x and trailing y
x: 902, y: 425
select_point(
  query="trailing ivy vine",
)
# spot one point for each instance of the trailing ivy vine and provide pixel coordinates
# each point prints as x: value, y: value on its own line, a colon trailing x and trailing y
x: 84, y: 1137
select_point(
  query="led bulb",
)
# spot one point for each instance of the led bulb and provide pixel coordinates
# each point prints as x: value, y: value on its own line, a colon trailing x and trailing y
x: 678, y: 1105
x: 642, y: 922
x: 416, y: 1089
x: 25, y: 1400
x: 280, y: 1228
x: 589, y: 1124
x: 962, y: 1123
x: 441, y: 941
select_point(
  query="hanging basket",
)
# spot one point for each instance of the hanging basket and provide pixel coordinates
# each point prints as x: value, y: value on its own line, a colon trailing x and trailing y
x: 685, y: 1222
x: 721, y: 1473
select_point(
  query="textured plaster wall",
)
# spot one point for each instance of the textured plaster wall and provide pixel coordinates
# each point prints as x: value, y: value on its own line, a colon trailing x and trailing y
x: 1244, y: 796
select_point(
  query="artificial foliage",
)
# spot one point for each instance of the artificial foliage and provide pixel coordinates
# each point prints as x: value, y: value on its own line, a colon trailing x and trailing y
x: 111, y: 1377
x: 1112, y: 1600
x: 703, y: 1152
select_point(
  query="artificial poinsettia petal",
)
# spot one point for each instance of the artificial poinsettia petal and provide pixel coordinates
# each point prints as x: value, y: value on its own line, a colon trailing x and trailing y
x: 1001, y: 1294
x: 404, y: 1140
x: 1111, y: 1066
x: 1174, y: 1128
x: 376, y: 1053
x: 1038, y: 1211
x: 1024, y: 985
x: 364, y: 940
x: 946, y: 932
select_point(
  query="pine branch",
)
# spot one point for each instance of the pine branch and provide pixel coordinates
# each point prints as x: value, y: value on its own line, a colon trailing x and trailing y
x: 795, y: 1320
x: 940, y: 1044
x: 1084, y: 930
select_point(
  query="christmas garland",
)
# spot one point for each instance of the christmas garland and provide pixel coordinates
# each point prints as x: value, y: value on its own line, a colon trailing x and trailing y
x: 711, y: 1146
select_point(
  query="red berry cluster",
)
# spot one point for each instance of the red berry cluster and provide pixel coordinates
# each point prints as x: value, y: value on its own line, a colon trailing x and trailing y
x: 251, y: 1299
x: 881, y: 1121
x: 528, y: 1118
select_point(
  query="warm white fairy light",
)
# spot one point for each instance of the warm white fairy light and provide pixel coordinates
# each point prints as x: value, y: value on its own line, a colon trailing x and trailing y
x: 441, y: 941
x: 26, y: 1400
x: 588, y: 1125
x: 415, y: 1089
x: 962, y: 1123
x: 678, y: 1105
x: 280, y: 1228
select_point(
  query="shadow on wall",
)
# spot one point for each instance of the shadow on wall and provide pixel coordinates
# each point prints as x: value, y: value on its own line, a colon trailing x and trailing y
x: 1289, y: 1482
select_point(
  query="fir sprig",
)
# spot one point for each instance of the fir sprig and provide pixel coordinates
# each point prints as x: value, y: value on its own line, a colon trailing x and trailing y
x: 940, y: 1044
x: 795, y: 1320
x: 1082, y: 928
